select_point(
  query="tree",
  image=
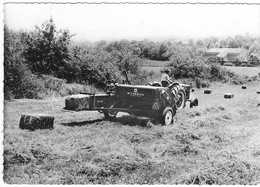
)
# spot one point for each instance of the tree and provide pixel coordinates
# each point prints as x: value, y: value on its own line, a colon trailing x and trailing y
x: 14, y: 68
x: 233, y: 43
x: 162, y: 52
x: 48, y: 50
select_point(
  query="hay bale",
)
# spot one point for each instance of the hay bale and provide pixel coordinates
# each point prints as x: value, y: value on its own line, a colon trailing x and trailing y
x: 243, y: 87
x: 36, y: 121
x: 228, y: 95
x: 207, y: 91
x: 77, y: 102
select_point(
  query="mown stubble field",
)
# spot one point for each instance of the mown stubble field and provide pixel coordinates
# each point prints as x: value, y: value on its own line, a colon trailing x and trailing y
x: 157, y: 66
x: 217, y: 142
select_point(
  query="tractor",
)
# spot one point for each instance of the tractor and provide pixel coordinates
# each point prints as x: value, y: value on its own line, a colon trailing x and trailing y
x: 150, y: 100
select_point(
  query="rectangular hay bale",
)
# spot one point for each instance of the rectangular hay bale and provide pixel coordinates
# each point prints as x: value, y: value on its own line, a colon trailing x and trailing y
x: 36, y: 121
x: 228, y: 95
x: 207, y: 91
x: 77, y: 102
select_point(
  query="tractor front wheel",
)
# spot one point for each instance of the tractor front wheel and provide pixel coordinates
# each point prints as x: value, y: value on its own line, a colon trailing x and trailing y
x: 194, y: 102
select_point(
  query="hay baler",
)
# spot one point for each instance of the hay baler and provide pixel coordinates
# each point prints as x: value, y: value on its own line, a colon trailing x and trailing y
x: 151, y: 101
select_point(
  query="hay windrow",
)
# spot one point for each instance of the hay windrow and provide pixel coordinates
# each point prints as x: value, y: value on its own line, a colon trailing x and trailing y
x: 221, y: 171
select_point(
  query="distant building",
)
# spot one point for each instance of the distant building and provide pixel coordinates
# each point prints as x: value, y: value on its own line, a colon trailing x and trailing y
x: 222, y: 55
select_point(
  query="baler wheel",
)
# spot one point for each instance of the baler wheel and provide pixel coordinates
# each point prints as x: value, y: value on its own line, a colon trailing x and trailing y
x: 110, y: 114
x: 167, y: 116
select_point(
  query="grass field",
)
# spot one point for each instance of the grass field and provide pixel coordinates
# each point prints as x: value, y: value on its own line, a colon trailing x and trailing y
x: 154, y: 63
x: 155, y: 69
x: 248, y: 71
x: 157, y: 66
x: 217, y: 142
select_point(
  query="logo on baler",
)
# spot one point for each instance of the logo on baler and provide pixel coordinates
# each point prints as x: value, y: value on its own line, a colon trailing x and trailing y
x: 135, y: 93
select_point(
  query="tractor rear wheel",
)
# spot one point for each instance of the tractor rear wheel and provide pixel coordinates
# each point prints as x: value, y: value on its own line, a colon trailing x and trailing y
x: 180, y: 99
x: 167, y: 116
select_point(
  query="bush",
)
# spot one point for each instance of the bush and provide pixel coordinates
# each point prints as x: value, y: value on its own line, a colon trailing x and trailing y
x: 41, y: 86
x: 140, y: 78
x: 19, y: 82
x: 31, y: 88
x: 217, y: 73
x: 202, y: 83
x: 202, y: 73
x: 54, y: 87
x: 184, y: 66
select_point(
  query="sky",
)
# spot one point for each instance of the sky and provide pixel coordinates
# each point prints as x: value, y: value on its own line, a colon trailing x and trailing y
x: 94, y: 22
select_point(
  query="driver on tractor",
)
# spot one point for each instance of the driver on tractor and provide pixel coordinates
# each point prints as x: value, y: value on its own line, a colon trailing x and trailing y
x: 165, y: 80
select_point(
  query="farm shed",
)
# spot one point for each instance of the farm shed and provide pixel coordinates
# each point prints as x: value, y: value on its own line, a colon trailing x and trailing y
x: 227, y: 54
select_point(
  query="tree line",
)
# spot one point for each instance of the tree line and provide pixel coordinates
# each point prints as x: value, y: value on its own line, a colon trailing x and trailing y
x: 49, y: 51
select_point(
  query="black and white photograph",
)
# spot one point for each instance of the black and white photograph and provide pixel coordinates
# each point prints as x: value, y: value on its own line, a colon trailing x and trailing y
x: 131, y: 92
